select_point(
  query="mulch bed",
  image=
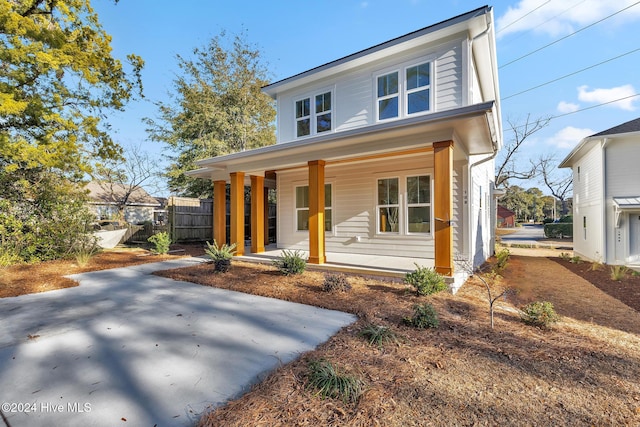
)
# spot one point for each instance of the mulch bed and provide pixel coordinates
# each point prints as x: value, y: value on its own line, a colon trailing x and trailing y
x: 626, y: 290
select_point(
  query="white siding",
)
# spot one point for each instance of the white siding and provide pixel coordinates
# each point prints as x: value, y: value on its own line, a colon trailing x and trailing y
x: 354, y: 97
x: 480, y: 212
x: 622, y: 180
x: 587, y: 201
x: 354, y: 208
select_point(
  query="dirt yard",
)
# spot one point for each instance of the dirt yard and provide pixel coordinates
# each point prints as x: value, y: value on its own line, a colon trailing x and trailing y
x: 582, y: 371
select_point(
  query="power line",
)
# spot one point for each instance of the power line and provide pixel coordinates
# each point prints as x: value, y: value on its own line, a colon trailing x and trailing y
x: 511, y: 40
x: 522, y: 17
x: 594, y: 106
x: 567, y: 36
x: 570, y: 74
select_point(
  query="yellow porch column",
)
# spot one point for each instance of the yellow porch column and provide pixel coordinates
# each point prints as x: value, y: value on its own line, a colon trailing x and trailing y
x: 316, y: 212
x: 237, y: 211
x: 443, y: 206
x: 220, y: 212
x: 257, y: 214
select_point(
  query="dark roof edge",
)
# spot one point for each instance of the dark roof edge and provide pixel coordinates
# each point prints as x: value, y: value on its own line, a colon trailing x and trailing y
x: 626, y: 127
x: 431, y: 28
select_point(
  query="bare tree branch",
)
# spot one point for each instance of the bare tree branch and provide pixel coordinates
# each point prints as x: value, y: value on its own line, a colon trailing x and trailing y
x: 508, y: 168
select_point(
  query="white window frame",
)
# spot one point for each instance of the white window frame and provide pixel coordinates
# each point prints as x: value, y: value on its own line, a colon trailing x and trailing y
x: 397, y: 94
x: 419, y: 205
x: 313, y: 113
x: 403, y: 206
x: 387, y: 206
x: 408, y: 92
x: 306, y: 208
x: 303, y: 117
x: 403, y: 93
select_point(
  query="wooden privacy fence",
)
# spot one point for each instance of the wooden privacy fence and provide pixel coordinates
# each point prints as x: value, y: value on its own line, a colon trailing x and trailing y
x: 190, y: 219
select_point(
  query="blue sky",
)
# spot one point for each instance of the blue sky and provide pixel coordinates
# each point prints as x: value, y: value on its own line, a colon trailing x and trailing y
x: 539, y: 41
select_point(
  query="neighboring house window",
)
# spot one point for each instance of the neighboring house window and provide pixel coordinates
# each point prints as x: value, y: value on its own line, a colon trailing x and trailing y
x: 323, y: 112
x: 302, y: 208
x: 418, y: 88
x: 414, y: 92
x: 419, y: 204
x: 316, y: 117
x: 388, y: 205
x: 303, y: 117
x: 388, y: 96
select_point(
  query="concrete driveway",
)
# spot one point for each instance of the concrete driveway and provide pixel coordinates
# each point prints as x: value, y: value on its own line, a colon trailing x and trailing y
x: 129, y: 348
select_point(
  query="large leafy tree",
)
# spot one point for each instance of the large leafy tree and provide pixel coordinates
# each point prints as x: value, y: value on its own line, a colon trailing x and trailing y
x: 58, y: 79
x: 217, y: 108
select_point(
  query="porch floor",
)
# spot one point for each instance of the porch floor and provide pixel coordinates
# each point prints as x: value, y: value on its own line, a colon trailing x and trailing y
x: 370, y: 265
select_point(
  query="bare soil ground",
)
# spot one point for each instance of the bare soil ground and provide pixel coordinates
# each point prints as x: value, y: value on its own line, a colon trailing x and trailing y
x: 582, y: 371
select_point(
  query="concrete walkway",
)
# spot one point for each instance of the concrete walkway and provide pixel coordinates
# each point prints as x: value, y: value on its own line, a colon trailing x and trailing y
x: 129, y: 348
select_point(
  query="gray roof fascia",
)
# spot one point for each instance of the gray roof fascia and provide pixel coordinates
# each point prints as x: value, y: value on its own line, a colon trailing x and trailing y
x: 210, y: 163
x: 272, y: 89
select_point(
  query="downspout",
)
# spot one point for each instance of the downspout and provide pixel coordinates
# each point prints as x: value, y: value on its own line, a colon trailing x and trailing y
x: 486, y: 159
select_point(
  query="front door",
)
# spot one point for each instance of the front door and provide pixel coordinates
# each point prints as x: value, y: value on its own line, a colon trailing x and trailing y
x: 634, y: 237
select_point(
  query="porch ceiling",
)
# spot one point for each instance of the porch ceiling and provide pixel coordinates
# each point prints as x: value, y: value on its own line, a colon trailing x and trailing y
x: 471, y: 129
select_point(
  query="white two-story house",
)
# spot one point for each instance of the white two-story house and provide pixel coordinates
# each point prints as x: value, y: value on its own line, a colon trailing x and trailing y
x: 388, y: 151
x: 606, y: 195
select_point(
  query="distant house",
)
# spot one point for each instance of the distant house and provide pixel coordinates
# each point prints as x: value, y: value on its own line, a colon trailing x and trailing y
x: 110, y: 200
x: 506, y: 217
x: 606, y: 195
x: 388, y: 151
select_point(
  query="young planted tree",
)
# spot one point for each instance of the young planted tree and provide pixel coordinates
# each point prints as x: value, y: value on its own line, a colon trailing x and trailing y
x: 218, y: 108
x: 57, y: 81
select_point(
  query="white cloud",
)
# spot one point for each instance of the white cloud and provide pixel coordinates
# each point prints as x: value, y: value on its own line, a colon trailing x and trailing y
x: 567, y: 107
x: 601, y: 96
x: 569, y: 137
x: 556, y: 18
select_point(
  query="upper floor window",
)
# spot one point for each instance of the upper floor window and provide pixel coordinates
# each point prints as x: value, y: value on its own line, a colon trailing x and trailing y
x: 388, y: 96
x: 303, y: 117
x: 410, y: 95
x: 316, y: 117
x: 418, y: 87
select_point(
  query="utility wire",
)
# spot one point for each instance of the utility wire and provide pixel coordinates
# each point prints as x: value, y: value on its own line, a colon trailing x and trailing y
x: 594, y: 106
x: 567, y: 36
x: 571, y: 74
x: 511, y: 40
x: 522, y: 17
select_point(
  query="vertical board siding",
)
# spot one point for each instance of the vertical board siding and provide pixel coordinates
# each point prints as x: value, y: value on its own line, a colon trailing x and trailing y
x: 354, y: 204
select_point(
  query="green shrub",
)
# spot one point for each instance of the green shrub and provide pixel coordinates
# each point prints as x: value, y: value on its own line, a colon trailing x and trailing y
x: 558, y: 230
x: 425, y: 280
x: 502, y: 258
x: 539, y: 313
x: 161, y: 242
x: 565, y: 256
x: 290, y: 263
x: 335, y: 283
x: 575, y: 260
x: 618, y: 272
x: 378, y: 335
x: 424, y: 316
x: 324, y: 377
x: 221, y: 255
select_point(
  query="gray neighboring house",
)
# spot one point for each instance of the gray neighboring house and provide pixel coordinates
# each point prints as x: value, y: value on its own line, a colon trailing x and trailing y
x: 606, y: 195
x: 105, y: 198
